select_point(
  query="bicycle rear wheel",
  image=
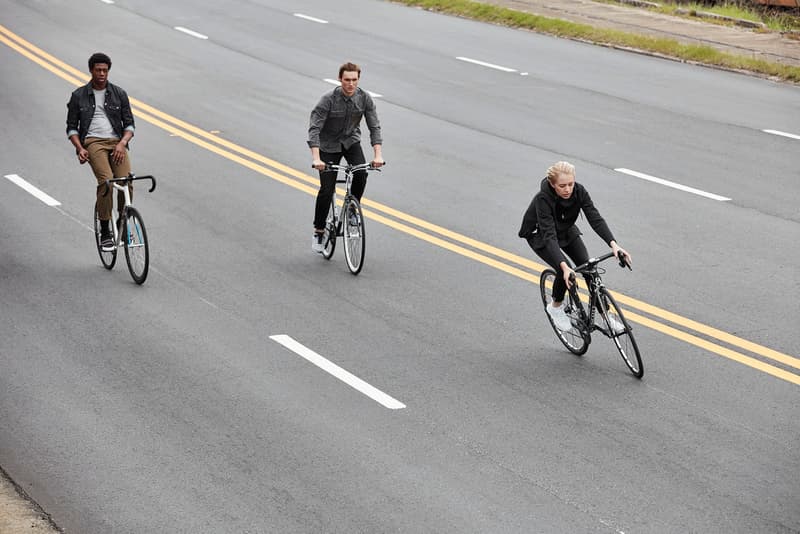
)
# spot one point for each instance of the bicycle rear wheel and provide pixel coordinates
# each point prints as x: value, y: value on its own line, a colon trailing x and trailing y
x: 330, y: 231
x: 620, y: 332
x: 107, y: 257
x: 137, y: 250
x: 353, y: 231
x: 577, y: 338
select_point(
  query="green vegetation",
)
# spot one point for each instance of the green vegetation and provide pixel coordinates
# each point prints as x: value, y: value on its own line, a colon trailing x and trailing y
x: 668, y: 47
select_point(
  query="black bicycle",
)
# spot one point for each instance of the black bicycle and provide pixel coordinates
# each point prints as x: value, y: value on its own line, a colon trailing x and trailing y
x: 601, y: 305
x: 128, y: 230
x: 347, y: 223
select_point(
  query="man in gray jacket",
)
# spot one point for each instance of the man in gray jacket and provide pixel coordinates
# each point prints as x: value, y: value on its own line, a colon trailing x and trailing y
x: 334, y: 132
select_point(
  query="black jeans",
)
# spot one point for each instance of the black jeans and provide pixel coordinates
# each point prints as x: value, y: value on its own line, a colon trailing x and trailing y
x: 327, y: 180
x: 577, y: 252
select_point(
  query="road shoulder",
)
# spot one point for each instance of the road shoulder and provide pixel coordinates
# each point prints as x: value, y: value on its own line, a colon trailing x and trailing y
x: 18, y: 513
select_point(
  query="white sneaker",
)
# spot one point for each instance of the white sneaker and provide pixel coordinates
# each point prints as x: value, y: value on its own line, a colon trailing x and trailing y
x: 616, y: 324
x: 559, y: 317
x: 318, y: 242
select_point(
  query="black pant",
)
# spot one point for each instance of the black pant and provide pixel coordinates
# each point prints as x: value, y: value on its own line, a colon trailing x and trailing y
x: 327, y: 180
x: 577, y: 252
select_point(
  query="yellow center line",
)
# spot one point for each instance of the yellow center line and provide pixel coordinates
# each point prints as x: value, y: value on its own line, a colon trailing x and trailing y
x: 421, y: 229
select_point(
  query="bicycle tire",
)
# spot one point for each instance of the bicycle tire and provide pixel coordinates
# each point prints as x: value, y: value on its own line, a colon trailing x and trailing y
x: 330, y: 231
x: 624, y: 341
x: 137, y: 248
x: 353, y: 232
x: 576, y: 339
x: 107, y: 257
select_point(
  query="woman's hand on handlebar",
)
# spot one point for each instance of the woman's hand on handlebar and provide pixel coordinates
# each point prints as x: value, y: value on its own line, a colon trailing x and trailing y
x: 377, y: 161
x: 621, y: 254
x: 318, y: 164
x: 569, y: 274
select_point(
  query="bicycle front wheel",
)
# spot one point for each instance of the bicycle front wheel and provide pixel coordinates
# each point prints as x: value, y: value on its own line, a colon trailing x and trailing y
x: 330, y: 231
x: 353, y: 231
x: 577, y: 338
x: 137, y: 250
x: 107, y: 257
x: 620, y: 332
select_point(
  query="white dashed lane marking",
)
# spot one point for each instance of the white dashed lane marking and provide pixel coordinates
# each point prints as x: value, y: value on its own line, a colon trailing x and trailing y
x: 33, y: 190
x: 193, y: 33
x: 345, y: 376
x: 312, y: 19
x: 484, y: 64
x: 782, y: 134
x: 674, y: 185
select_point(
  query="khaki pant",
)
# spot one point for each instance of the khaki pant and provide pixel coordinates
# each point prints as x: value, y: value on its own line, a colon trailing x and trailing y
x: 105, y: 169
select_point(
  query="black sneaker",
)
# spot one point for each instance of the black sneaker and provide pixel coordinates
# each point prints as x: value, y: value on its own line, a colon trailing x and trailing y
x: 106, y: 241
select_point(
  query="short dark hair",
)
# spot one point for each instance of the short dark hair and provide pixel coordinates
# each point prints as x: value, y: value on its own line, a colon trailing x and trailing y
x: 99, y: 57
x: 348, y: 67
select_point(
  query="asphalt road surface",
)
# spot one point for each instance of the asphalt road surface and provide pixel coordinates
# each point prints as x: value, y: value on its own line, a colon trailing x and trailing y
x: 251, y: 386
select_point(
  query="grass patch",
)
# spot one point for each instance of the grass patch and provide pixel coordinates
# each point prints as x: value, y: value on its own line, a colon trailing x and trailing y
x: 774, y: 19
x: 668, y: 47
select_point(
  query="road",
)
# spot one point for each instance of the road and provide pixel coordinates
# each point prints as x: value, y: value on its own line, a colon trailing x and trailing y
x: 173, y: 406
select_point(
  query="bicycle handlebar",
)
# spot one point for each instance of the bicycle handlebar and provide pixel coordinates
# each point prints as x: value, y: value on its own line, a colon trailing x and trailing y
x: 351, y: 168
x: 132, y: 177
x: 623, y: 262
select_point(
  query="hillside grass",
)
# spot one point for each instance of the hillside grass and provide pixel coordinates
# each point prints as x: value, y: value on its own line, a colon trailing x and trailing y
x: 667, y: 47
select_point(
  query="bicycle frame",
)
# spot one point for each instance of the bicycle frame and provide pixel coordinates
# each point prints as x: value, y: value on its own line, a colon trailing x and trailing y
x: 593, y: 272
x: 347, y: 222
x: 115, y: 184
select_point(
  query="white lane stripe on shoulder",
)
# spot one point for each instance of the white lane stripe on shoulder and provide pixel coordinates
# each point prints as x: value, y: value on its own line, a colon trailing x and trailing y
x: 674, y: 185
x: 33, y: 190
x: 333, y: 369
x: 782, y: 134
x: 484, y: 64
x: 312, y: 19
x: 193, y: 33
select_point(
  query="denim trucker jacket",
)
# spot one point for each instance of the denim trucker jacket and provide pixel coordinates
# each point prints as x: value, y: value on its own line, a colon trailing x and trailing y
x: 335, y: 121
x: 80, y: 110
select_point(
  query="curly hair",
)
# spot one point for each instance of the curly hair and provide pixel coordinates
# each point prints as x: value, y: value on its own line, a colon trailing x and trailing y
x: 99, y: 57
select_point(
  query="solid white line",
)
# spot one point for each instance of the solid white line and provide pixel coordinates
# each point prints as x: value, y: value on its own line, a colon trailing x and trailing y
x: 784, y: 134
x: 312, y: 19
x: 33, y: 190
x: 191, y: 32
x: 107, y: 1
x: 484, y: 64
x: 346, y: 377
x: 661, y: 181
x: 337, y: 83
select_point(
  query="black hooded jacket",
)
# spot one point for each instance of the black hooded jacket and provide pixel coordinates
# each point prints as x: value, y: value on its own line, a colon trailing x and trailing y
x: 549, y: 221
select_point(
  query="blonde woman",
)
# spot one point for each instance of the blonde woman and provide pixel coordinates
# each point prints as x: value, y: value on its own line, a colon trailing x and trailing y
x: 549, y: 227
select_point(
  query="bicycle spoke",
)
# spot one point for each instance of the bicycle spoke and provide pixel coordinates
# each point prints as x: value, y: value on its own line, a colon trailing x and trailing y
x: 353, y: 230
x: 134, y: 239
x: 621, y: 333
x: 576, y: 339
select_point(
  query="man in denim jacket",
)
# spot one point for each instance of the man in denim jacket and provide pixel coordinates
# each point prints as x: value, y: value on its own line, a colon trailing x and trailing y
x: 99, y: 126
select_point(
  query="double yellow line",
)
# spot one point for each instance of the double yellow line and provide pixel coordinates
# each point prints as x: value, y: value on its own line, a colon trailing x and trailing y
x: 692, y: 332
